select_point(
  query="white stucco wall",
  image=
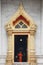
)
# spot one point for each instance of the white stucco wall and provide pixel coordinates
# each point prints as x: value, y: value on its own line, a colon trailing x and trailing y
x: 0, y: 27
x: 42, y: 30
x: 34, y: 8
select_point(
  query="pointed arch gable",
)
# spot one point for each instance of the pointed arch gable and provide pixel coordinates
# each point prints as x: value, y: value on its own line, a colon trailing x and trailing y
x: 21, y: 18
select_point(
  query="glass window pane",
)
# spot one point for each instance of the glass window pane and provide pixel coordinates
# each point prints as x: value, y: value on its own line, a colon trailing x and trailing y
x: 17, y: 26
x: 21, y: 23
x: 24, y: 26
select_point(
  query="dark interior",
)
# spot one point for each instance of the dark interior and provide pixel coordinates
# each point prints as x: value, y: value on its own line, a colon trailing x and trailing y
x: 20, y: 46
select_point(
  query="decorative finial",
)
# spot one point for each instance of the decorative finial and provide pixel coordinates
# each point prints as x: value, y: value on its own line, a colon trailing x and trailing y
x: 21, y: 5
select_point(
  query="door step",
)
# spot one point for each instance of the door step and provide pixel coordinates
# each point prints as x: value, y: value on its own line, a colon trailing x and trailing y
x: 20, y: 63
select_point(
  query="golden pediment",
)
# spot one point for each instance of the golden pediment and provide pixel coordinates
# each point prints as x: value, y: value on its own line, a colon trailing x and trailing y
x: 20, y: 13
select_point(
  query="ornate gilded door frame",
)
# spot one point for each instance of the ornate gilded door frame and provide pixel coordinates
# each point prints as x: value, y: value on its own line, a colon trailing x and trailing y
x: 30, y: 31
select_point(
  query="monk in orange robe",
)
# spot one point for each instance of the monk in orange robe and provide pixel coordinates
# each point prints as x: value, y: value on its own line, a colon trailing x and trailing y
x: 20, y: 57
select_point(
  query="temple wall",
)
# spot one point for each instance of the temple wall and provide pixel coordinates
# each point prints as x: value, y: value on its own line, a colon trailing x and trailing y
x: 34, y: 8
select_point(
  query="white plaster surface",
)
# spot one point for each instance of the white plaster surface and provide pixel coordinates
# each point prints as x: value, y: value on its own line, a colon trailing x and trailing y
x: 0, y: 27
x: 42, y: 31
x: 34, y: 8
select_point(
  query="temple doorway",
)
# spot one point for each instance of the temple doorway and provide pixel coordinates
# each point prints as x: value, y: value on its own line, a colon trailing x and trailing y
x: 20, y: 49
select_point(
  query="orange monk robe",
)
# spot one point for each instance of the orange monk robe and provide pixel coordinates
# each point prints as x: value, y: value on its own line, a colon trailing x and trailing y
x: 20, y: 57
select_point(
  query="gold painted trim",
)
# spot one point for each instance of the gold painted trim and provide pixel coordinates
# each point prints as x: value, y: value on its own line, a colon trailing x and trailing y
x: 31, y: 29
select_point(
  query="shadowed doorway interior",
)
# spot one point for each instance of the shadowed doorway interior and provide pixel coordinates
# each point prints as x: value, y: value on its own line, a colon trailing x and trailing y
x: 20, y: 49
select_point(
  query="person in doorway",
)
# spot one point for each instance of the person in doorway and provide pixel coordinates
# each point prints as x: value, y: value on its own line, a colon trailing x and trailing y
x: 20, y: 56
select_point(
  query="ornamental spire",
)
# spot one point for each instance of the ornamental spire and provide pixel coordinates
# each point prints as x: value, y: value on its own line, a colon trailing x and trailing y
x: 21, y: 6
